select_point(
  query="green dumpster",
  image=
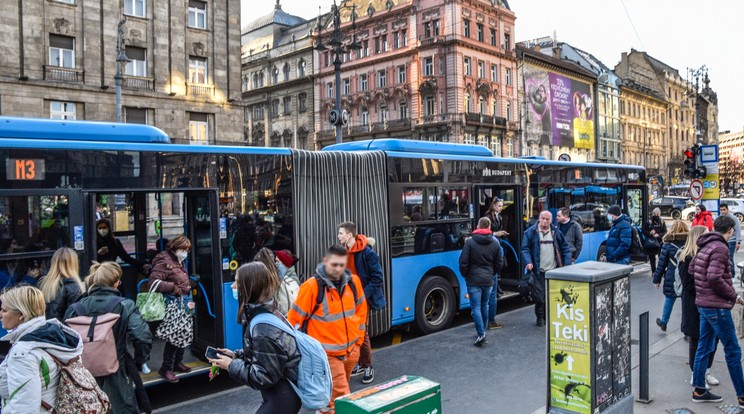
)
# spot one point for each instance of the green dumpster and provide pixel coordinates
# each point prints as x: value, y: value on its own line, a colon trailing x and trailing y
x: 403, y: 395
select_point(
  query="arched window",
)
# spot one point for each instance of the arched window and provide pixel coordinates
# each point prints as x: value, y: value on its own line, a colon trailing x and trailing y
x: 286, y: 72
x: 495, y: 108
x: 468, y: 103
x: 255, y: 80
x: 274, y: 76
x: 508, y: 111
x: 301, y: 68
x: 261, y: 80
x: 481, y: 105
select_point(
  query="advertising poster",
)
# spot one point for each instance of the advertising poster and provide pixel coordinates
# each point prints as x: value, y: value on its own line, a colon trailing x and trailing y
x: 560, y: 110
x: 570, y: 346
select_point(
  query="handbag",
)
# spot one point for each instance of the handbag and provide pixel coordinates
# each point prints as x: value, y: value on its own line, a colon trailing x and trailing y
x: 177, y: 327
x: 151, y: 304
x: 651, y: 244
x: 530, y: 289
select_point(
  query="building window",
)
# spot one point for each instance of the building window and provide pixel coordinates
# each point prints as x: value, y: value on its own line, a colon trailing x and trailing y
x: 364, y: 116
x: 427, y: 30
x: 365, y: 49
x: 198, y: 128
x: 381, y: 79
x: 363, y: 83
x: 134, y: 8
x: 468, y: 68
x: 429, y: 66
x: 403, y: 110
x: 493, y: 37
x: 274, y: 75
x: 384, y: 43
x: 435, y: 26
x: 479, y: 32
x: 198, y: 71
x: 481, y: 69
x: 404, y: 38
x: 429, y: 105
x: 508, y: 76
x: 135, y: 115
x: 275, y: 108
x: 510, y: 148
x: 258, y: 112
x: 62, y: 110
x: 61, y: 51
x: 396, y: 40
x: 346, y: 86
x: 507, y: 42
x: 137, y: 65
x: 401, y: 74
x: 508, y: 111
x: 481, y: 105
x: 197, y: 14
x: 495, y: 107
x: 494, y: 73
x: 329, y: 90
x: 286, y: 72
x: 382, y: 112
x: 302, y: 102
x: 301, y: 69
x: 468, y: 103
x: 287, y: 105
x: 466, y: 28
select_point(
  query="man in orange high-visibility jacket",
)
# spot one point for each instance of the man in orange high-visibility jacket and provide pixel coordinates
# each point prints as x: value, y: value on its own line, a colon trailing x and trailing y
x: 331, y: 321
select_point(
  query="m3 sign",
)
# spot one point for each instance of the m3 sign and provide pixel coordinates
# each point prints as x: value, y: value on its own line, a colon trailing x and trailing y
x: 24, y: 169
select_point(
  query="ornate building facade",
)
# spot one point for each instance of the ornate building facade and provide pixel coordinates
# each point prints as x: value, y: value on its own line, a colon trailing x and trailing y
x: 427, y: 69
x: 643, y: 122
x: 182, y: 76
x: 277, y: 69
x: 731, y: 161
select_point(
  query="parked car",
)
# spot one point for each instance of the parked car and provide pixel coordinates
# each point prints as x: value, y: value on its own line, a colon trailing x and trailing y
x: 736, y: 207
x: 670, y: 205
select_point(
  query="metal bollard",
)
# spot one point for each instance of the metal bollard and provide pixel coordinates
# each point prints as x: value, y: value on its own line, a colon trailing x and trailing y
x: 643, y: 383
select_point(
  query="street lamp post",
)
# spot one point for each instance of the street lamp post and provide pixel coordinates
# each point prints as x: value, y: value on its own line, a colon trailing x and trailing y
x: 121, y: 58
x: 696, y: 74
x: 336, y: 46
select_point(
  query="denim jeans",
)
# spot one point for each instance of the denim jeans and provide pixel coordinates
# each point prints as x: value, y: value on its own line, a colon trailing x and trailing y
x: 479, y: 306
x: 732, y: 251
x: 667, y: 311
x: 493, y: 300
x: 718, y: 323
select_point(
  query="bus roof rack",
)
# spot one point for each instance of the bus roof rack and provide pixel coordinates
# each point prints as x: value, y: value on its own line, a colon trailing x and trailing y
x: 409, y: 145
x: 66, y: 130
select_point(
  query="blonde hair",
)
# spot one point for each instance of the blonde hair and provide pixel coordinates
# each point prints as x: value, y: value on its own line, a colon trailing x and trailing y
x: 26, y: 300
x: 690, y: 248
x: 104, y: 274
x: 64, y: 265
x: 678, y: 228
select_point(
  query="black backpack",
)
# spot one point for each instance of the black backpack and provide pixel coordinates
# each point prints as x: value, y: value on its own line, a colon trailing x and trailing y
x: 636, y: 245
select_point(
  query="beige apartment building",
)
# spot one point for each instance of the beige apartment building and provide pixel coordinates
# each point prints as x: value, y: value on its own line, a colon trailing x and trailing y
x: 183, y: 74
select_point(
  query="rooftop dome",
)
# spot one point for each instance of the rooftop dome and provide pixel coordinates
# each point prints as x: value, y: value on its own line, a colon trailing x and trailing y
x: 278, y: 16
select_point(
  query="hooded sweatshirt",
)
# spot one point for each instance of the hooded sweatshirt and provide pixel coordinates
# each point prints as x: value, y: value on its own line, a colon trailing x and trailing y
x: 21, y: 372
x: 364, y: 262
x: 481, y: 258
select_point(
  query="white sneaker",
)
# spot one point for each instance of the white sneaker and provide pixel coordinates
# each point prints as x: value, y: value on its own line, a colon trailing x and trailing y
x: 710, y: 379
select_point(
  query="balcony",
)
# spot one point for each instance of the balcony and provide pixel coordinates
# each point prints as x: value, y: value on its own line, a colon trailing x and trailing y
x: 60, y: 74
x: 431, y: 40
x: 357, y: 129
x: 196, y: 89
x: 377, y: 126
x: 399, y: 123
x: 326, y: 133
x: 138, y: 82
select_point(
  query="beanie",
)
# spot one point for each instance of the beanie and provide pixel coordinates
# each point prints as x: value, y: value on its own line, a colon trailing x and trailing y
x: 615, y: 210
x: 286, y: 257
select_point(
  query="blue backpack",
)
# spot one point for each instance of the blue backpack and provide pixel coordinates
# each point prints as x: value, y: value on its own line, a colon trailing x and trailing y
x: 314, y: 372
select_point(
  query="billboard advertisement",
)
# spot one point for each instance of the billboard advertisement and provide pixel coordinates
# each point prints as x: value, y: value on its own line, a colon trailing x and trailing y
x: 559, y: 110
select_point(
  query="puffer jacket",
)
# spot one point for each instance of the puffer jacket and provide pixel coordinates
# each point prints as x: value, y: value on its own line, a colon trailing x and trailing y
x: 481, y: 258
x: 68, y: 294
x: 288, y: 289
x: 20, y: 374
x: 267, y: 357
x: 130, y: 328
x: 531, y: 247
x: 574, y: 235
x: 619, y: 239
x: 167, y: 268
x: 365, y: 263
x: 667, y: 260
x: 705, y: 218
x: 712, y: 271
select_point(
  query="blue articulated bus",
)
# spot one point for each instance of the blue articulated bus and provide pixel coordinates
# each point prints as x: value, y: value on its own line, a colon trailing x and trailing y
x: 419, y: 200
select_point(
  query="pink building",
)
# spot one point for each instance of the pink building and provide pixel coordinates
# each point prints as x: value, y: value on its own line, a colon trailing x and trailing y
x: 438, y: 70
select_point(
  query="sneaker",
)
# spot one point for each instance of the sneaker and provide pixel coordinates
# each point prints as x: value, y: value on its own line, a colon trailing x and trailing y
x: 661, y: 325
x: 495, y: 325
x: 710, y: 379
x: 481, y: 340
x: 369, y: 375
x: 358, y: 370
x: 540, y: 323
x: 740, y: 400
x: 706, y: 397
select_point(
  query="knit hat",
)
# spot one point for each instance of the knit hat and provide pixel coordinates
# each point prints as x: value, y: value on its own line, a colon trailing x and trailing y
x: 615, y: 210
x: 286, y: 257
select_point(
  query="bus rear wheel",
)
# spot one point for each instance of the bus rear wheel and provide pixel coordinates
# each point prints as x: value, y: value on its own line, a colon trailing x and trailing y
x: 435, y: 305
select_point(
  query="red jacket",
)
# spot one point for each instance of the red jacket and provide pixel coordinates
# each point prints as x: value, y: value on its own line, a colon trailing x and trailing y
x: 167, y: 268
x: 712, y: 272
x: 705, y: 218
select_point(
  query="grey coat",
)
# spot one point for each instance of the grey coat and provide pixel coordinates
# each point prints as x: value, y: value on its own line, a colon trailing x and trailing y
x: 574, y: 235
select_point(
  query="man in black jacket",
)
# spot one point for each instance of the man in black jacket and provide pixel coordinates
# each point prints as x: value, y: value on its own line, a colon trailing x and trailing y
x: 480, y: 259
x: 571, y: 230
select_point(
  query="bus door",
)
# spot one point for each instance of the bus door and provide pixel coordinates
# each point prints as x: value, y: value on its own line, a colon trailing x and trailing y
x: 511, y: 215
x: 634, y: 202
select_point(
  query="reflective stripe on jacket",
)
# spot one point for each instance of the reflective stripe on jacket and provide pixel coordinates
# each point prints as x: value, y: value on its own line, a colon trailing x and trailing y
x: 340, y: 322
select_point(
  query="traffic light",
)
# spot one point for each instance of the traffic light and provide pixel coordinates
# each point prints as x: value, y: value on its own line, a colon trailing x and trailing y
x: 694, y: 169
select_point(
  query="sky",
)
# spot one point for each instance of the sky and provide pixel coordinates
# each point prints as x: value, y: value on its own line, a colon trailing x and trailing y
x: 682, y: 33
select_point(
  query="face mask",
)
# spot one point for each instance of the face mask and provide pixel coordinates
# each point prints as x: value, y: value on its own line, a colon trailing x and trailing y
x: 103, y: 232
x: 182, y: 255
x: 235, y: 293
x: 611, y: 217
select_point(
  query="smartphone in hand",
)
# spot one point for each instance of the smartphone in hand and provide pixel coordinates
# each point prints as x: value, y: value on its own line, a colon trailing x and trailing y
x: 212, y: 353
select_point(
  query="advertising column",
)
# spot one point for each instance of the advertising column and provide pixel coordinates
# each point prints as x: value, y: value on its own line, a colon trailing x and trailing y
x: 711, y: 187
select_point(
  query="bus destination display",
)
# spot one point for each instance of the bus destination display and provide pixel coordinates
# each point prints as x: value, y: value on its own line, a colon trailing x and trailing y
x: 24, y: 169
